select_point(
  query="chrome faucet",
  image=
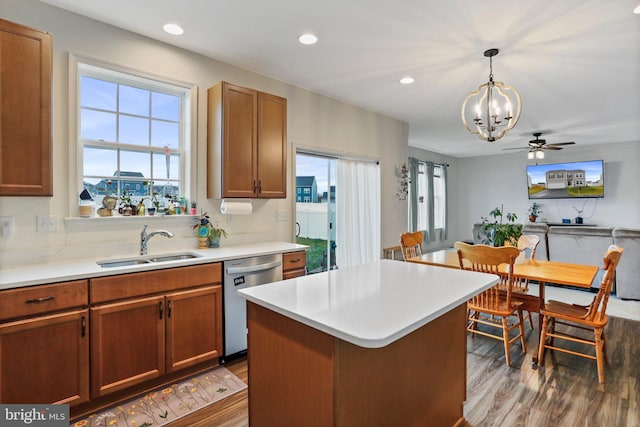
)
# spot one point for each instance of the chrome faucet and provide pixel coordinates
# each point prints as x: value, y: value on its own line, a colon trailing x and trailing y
x: 144, y: 238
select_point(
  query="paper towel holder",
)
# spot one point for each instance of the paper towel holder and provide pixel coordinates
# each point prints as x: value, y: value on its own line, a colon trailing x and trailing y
x: 236, y: 207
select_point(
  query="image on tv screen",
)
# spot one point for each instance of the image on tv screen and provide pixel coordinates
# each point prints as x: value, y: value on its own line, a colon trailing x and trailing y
x: 566, y: 180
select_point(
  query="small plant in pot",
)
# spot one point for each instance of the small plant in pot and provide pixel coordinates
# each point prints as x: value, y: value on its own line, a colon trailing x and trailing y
x: 215, y: 233
x: 534, y: 211
x: 496, y: 232
x: 209, y: 234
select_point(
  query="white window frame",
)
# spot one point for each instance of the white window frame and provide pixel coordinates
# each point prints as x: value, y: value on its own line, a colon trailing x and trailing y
x: 188, y: 133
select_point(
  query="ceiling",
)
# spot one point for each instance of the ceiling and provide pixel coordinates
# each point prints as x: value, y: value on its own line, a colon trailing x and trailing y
x: 576, y: 63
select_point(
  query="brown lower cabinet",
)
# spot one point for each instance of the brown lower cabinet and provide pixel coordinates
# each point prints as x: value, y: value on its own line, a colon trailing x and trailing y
x: 140, y: 339
x: 80, y: 342
x: 294, y: 264
x: 45, y: 359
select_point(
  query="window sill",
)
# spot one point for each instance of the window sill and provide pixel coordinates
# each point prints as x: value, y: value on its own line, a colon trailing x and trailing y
x: 119, y: 219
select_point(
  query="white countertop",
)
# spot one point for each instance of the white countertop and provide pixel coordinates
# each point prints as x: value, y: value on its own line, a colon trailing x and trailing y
x: 61, y: 271
x: 371, y: 305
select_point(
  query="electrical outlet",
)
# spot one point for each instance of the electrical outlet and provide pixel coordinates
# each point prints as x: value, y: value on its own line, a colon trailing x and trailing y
x: 47, y: 224
x: 53, y: 223
x: 282, y: 216
x: 42, y: 224
x: 6, y: 226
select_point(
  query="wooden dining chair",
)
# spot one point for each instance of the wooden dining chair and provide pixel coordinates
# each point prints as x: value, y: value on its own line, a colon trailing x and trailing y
x: 526, y: 242
x: 591, y: 318
x: 411, y: 244
x: 493, y: 307
x: 529, y: 241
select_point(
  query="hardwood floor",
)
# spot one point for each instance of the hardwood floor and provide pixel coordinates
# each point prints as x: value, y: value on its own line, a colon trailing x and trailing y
x: 565, y: 392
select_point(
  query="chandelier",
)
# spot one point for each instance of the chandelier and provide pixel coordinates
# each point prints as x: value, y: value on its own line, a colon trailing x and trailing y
x: 493, y: 109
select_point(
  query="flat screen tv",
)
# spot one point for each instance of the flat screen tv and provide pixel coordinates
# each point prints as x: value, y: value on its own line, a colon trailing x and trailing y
x: 573, y: 180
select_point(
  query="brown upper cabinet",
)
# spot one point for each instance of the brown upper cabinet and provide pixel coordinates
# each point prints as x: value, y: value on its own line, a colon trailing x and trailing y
x: 25, y: 111
x: 247, y: 143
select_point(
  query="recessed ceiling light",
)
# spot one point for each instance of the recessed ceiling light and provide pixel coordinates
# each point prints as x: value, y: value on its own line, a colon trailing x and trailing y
x: 637, y: 10
x: 407, y: 80
x: 308, y: 38
x: 173, y: 29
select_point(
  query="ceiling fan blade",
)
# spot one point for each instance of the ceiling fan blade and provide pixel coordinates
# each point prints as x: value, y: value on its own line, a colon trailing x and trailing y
x: 560, y: 143
x: 551, y: 147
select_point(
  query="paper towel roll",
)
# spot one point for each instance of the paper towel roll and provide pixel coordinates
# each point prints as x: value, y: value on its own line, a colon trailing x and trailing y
x: 236, y: 207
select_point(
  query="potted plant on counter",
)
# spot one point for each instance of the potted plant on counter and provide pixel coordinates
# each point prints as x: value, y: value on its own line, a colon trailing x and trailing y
x: 534, y: 211
x: 499, y: 233
x: 209, y: 234
x: 215, y: 233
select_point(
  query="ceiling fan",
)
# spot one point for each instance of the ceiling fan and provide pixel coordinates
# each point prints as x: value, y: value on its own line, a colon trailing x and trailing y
x: 537, y: 145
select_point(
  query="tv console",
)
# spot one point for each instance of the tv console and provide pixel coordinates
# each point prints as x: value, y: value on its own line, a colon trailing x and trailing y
x: 571, y: 224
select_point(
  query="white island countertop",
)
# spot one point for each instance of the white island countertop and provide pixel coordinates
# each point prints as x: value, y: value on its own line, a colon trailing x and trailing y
x: 64, y: 270
x: 371, y: 305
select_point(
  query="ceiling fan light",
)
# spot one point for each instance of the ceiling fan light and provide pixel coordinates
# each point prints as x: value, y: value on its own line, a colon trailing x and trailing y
x: 539, y: 154
x: 530, y: 155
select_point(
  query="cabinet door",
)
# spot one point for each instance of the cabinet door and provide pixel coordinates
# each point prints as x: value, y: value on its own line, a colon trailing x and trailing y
x: 25, y: 115
x: 45, y: 359
x: 127, y: 344
x: 194, y: 327
x: 272, y: 146
x: 239, y: 160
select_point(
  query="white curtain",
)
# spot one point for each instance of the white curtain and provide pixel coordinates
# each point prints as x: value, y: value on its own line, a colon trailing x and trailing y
x: 357, y: 212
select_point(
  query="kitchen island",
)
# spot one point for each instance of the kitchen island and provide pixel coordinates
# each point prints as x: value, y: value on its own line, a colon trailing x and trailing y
x: 382, y: 343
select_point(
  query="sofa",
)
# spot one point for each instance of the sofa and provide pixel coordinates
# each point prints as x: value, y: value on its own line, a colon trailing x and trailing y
x: 580, y: 245
x: 628, y: 272
x: 587, y: 245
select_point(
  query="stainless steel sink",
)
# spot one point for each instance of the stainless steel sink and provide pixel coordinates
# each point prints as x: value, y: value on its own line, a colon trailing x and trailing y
x: 122, y: 262
x: 125, y: 262
x: 173, y: 257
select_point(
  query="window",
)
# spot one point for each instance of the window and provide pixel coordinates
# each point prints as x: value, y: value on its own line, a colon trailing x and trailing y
x: 428, y: 198
x: 133, y: 135
x: 307, y: 191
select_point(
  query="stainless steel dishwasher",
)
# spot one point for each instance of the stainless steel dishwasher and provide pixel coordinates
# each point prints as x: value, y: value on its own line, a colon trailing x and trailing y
x: 239, y: 274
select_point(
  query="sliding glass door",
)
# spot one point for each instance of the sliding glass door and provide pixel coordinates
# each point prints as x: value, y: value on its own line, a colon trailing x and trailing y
x: 316, y: 209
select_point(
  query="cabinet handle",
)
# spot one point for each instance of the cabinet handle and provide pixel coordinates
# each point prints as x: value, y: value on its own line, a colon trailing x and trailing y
x: 83, y: 323
x: 168, y: 308
x: 160, y: 305
x: 40, y: 300
x: 260, y: 186
x: 293, y: 261
x: 255, y: 186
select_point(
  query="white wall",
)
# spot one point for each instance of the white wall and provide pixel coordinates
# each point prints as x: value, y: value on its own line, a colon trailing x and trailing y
x: 490, y: 181
x: 313, y: 121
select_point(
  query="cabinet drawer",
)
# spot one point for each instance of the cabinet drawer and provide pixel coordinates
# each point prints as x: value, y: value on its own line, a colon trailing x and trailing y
x: 293, y: 273
x: 113, y: 288
x: 294, y: 260
x: 40, y: 299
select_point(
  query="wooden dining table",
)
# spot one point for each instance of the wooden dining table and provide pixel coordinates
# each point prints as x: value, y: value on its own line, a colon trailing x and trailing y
x: 541, y: 271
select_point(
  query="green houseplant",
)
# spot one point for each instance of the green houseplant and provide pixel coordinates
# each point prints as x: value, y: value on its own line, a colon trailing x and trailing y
x: 497, y: 232
x: 534, y: 211
x: 207, y: 229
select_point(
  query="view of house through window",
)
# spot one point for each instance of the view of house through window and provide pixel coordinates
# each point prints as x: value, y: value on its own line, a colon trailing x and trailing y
x: 133, y: 136
x: 316, y: 209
